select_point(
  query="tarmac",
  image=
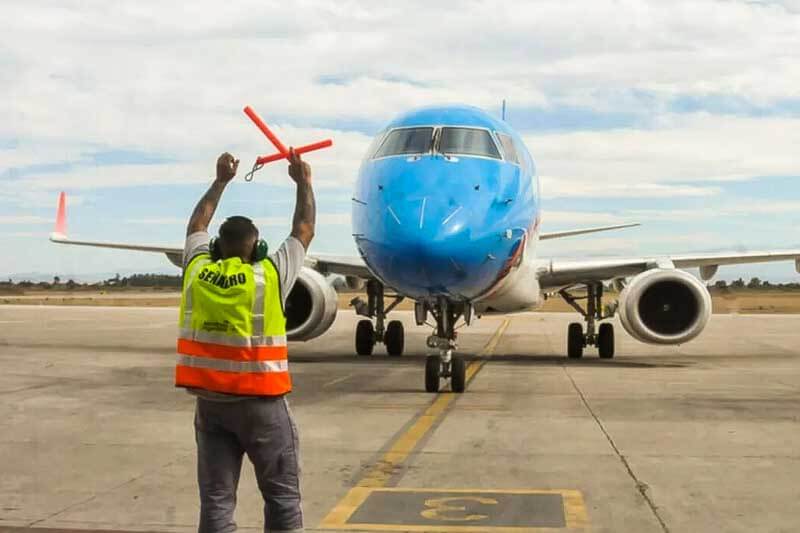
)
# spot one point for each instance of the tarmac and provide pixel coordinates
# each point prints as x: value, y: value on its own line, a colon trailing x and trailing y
x: 700, y: 437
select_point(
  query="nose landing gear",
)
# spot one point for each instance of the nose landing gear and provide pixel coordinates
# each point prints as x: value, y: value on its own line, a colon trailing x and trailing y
x: 602, y: 337
x: 445, y: 365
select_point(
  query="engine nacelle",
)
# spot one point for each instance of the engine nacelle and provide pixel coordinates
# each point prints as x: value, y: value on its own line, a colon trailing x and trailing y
x: 311, y: 306
x: 664, y: 306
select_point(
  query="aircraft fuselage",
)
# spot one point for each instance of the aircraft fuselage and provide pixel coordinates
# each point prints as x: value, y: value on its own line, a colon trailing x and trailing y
x: 446, y: 201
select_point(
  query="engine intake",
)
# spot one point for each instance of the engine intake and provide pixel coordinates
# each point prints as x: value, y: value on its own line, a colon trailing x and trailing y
x: 664, y: 306
x: 310, y: 307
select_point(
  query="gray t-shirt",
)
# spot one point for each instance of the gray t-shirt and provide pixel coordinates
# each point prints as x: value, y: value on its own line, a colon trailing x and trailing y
x: 288, y: 260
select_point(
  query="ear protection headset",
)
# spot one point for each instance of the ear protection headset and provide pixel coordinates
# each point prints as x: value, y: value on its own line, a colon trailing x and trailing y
x: 260, y: 250
x: 259, y: 253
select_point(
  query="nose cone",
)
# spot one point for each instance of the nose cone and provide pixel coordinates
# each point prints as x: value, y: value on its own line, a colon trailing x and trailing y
x: 430, y: 245
x: 434, y: 232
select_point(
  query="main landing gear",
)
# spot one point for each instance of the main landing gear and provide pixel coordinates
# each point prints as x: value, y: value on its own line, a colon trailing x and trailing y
x: 602, y: 337
x: 391, y: 335
x: 445, y: 365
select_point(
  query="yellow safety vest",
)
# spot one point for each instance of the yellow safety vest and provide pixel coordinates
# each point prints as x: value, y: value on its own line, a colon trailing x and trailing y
x: 232, y: 328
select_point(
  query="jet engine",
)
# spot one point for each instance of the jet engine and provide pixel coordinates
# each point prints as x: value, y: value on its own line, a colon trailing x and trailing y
x: 664, y: 306
x: 311, y: 306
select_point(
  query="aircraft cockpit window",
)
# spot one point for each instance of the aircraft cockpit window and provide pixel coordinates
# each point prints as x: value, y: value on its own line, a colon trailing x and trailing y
x: 468, y: 141
x: 406, y: 141
x: 509, y: 149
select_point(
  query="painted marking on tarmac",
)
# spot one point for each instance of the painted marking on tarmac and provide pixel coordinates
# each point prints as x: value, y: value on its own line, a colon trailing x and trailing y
x: 448, y: 510
x: 475, y: 366
x: 372, y: 506
x: 459, y: 510
x: 392, y: 460
x: 337, y: 380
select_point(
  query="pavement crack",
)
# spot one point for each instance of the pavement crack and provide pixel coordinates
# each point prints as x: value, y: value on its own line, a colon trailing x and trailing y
x: 103, y: 493
x: 641, y: 486
x: 29, y: 388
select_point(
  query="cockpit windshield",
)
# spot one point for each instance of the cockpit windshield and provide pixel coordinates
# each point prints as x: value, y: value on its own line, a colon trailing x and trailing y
x: 468, y: 141
x: 406, y: 141
x: 508, y: 148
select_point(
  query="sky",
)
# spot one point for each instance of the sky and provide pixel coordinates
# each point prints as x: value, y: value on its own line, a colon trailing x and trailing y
x: 683, y: 116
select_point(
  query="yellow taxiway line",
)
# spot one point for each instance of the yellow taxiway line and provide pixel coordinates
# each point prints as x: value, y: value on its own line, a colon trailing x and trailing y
x: 404, y: 444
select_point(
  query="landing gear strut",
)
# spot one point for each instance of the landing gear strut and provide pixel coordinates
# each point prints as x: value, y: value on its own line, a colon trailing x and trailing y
x: 368, y: 334
x: 602, y: 337
x: 444, y: 365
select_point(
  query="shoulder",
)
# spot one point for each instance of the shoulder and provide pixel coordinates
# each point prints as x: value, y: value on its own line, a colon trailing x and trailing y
x: 197, y: 243
x: 201, y: 257
x: 289, y: 255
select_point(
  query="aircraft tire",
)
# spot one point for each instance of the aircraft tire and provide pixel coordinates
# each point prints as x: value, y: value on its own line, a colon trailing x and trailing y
x: 458, y: 374
x: 433, y: 365
x: 365, y: 337
x: 605, y: 341
x: 575, y: 341
x: 394, y: 338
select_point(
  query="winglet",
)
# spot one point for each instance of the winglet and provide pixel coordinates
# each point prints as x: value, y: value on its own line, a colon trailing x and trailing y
x: 61, y: 217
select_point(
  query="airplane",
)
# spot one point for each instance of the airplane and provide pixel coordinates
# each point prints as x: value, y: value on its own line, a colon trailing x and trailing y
x: 447, y: 212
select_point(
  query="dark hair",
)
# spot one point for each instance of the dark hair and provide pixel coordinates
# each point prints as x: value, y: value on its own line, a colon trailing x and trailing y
x: 236, y: 230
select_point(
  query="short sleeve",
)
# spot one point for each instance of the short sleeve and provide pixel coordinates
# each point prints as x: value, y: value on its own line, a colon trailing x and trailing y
x: 196, y: 244
x: 288, y: 261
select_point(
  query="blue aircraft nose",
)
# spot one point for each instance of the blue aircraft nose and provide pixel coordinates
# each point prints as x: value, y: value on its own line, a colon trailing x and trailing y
x: 432, y: 237
x: 436, y: 232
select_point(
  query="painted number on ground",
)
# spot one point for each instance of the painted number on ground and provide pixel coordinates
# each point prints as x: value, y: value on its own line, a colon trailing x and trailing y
x: 456, y: 509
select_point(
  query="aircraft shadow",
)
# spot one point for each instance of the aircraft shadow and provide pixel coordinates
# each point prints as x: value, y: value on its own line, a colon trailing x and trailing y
x: 506, y: 359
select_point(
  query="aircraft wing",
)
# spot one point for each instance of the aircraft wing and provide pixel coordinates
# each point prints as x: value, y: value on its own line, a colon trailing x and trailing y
x: 325, y: 264
x: 173, y: 253
x: 556, y: 273
x: 338, y: 264
x: 355, y: 266
x: 584, y: 231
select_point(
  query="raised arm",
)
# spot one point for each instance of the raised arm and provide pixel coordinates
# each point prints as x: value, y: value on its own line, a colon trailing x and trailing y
x: 305, y: 209
x: 204, y: 210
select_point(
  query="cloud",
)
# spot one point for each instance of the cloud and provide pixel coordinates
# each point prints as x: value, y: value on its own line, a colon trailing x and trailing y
x: 562, y: 218
x: 23, y: 219
x: 719, y: 210
x: 665, y: 161
x: 158, y: 221
x: 25, y: 235
x: 560, y: 187
x: 632, y: 244
x: 357, y: 63
x: 326, y: 219
x: 336, y: 167
x: 382, y: 60
x: 641, y: 100
x: 773, y: 207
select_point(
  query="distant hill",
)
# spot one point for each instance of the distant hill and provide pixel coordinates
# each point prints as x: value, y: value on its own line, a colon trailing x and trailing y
x: 97, y: 277
x: 116, y: 281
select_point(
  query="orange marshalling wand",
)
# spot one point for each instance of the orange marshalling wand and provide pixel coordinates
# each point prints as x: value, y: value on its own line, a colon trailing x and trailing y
x: 283, y: 152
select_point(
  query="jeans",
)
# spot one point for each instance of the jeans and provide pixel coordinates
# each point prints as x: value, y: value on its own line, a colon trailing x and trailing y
x: 262, y: 428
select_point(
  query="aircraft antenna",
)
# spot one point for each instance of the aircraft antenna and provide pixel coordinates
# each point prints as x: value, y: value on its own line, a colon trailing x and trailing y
x: 503, y: 112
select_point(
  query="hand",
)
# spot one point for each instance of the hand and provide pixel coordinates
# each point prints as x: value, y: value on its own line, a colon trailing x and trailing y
x: 226, y: 167
x: 299, y: 170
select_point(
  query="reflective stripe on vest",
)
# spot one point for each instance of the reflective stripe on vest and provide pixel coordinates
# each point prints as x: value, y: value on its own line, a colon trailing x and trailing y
x: 187, y: 311
x: 228, y: 340
x: 233, y: 366
x: 232, y: 335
